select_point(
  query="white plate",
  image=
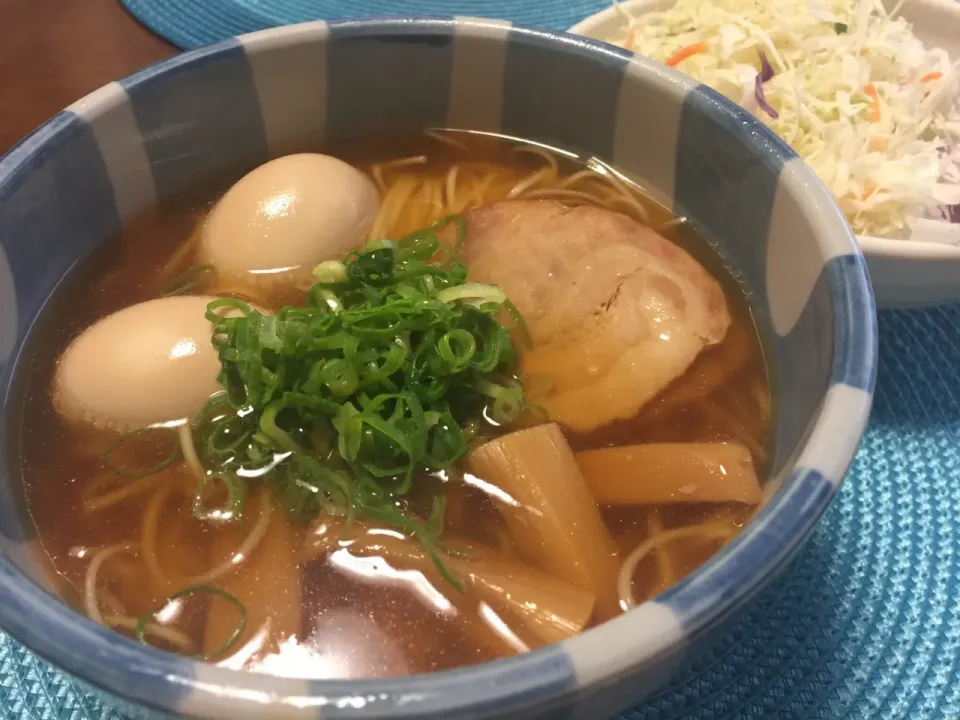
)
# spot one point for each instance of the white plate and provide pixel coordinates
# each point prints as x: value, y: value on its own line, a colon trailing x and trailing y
x: 904, y: 273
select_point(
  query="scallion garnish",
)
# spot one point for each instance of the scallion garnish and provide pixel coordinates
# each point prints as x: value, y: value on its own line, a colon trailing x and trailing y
x: 395, y: 363
x: 143, y: 621
x: 231, y: 509
x: 122, y: 441
x: 191, y: 279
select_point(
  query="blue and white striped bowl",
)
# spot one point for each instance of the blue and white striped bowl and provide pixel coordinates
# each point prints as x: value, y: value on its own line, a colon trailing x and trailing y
x: 210, y: 115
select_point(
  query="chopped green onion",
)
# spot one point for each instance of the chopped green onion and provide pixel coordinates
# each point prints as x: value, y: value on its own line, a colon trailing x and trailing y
x: 269, y: 427
x: 473, y: 291
x: 193, y: 278
x: 382, y: 377
x: 456, y: 348
x: 379, y: 245
x: 144, y: 620
x: 227, y: 437
x: 121, y: 441
x: 330, y: 272
x: 506, y: 407
x: 217, y: 400
x: 226, y: 303
x: 232, y: 509
x: 519, y: 321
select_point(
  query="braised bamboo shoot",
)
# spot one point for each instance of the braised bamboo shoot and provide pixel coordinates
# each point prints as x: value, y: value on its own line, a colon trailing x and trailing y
x: 550, y: 609
x: 550, y: 511
x: 664, y: 473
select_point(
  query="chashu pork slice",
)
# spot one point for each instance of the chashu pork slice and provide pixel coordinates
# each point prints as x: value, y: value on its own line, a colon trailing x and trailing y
x: 616, y: 311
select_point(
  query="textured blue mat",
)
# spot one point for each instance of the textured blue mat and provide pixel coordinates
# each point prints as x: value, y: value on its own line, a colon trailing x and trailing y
x: 866, y: 621
x: 192, y: 23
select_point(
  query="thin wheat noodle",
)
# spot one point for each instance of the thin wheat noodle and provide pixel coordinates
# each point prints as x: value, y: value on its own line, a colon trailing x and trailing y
x: 762, y: 399
x: 528, y: 183
x: 410, y: 197
x: 437, y: 203
x: 631, y: 203
x: 571, y: 180
x: 451, y: 186
x: 551, y: 160
x: 108, y: 499
x: 412, y: 211
x: 246, y: 547
x: 170, y: 635
x: 559, y: 194
x: 432, y: 199
x: 630, y: 563
x: 376, y: 231
x: 377, y: 173
x: 429, y: 201
x: 404, y: 162
x: 151, y: 520
x: 729, y: 422
x: 481, y: 190
x: 504, y: 542
x: 402, y: 188
x: 441, y: 206
x: 90, y: 579
x: 421, y: 198
x: 439, y: 199
x: 392, y: 205
x: 112, y: 602
x: 377, y: 170
x: 249, y: 544
x: 440, y: 137
x: 611, y: 177
x: 604, y: 191
x: 664, y: 564
x: 189, y: 451
x: 627, y: 195
x: 183, y: 252
x: 475, y: 193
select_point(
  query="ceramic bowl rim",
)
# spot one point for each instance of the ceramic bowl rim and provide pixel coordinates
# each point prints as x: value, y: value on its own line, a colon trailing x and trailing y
x: 123, y: 668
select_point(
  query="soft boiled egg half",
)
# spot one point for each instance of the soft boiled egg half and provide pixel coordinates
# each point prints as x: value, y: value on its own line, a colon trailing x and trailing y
x: 280, y: 220
x: 148, y: 364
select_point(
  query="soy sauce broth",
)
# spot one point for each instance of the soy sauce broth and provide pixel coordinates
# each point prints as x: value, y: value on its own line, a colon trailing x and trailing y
x: 342, y: 617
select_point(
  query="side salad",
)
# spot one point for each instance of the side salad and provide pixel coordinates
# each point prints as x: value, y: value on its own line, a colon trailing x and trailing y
x: 846, y: 83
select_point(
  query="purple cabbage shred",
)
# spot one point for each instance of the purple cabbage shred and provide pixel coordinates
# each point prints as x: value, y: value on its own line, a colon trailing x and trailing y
x: 766, y: 73
x: 953, y: 213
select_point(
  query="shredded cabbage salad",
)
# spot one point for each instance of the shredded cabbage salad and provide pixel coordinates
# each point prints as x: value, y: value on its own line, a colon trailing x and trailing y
x: 846, y: 84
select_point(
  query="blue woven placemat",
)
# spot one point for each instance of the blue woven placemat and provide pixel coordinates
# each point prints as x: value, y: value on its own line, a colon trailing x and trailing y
x: 865, y: 623
x: 192, y: 23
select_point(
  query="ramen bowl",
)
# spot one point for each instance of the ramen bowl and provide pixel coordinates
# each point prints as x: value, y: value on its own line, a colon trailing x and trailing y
x: 206, y: 117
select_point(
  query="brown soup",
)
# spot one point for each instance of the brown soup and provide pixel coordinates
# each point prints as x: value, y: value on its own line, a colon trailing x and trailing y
x: 318, y: 595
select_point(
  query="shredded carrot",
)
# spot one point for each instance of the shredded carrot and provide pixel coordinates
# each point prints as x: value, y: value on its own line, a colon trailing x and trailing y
x: 871, y: 91
x: 683, y: 53
x: 930, y: 77
x: 878, y: 144
x: 630, y: 38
